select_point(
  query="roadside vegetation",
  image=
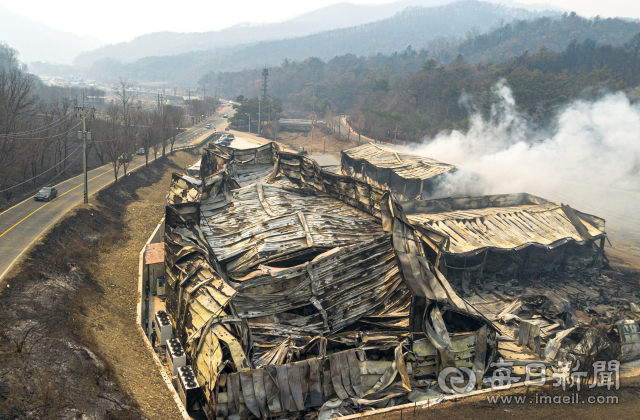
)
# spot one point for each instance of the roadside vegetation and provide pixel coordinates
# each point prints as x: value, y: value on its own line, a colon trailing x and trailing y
x: 39, y: 142
x: 69, y: 344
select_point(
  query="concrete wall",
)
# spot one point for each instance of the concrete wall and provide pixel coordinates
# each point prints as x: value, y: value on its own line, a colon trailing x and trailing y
x: 143, y: 275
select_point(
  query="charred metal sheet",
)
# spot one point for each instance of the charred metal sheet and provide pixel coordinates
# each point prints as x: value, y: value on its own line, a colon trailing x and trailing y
x: 404, y: 165
x: 245, y: 165
x: 299, y: 382
x: 503, y: 222
x: 303, y: 171
x: 306, y: 286
x: 407, y: 176
x: 213, y: 160
x: 184, y: 189
x: 629, y: 332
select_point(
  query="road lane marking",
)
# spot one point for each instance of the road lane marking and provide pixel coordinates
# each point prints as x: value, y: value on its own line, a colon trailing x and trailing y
x: 78, y: 186
x: 49, y: 202
x: 186, y: 134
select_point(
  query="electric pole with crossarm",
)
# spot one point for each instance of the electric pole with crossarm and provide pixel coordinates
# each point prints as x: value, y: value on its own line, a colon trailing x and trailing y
x: 84, y: 135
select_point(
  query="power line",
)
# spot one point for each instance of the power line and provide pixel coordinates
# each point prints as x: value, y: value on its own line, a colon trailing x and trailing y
x: 51, y: 137
x: 65, y: 169
x: 31, y: 179
x: 37, y: 130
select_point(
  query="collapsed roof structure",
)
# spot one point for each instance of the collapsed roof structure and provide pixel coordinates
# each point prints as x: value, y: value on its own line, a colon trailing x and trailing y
x: 407, y: 176
x: 481, y: 228
x: 295, y: 289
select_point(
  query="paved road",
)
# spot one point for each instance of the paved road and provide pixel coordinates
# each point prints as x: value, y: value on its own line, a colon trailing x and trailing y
x: 24, y: 223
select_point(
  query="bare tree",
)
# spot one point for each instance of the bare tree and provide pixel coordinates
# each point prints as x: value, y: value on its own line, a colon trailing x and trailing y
x: 125, y: 103
x: 18, y: 104
x: 149, y: 132
x: 177, y: 118
x: 113, y: 142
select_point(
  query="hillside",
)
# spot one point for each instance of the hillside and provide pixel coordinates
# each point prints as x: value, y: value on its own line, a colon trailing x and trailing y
x: 415, y: 26
x: 336, y: 16
x: 39, y: 42
x: 422, y: 96
x: 514, y: 38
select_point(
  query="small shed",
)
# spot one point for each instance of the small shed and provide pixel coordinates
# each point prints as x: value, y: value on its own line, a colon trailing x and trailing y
x: 325, y: 161
x: 154, y: 264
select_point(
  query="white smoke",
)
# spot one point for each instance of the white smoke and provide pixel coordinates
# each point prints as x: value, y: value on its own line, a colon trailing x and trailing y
x: 589, y: 159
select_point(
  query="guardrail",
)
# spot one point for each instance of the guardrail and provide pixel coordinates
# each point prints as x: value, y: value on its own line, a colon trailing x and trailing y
x: 209, y: 138
x: 289, y: 121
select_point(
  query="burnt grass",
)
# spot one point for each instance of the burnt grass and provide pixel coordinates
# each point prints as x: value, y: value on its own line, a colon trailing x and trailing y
x: 49, y: 363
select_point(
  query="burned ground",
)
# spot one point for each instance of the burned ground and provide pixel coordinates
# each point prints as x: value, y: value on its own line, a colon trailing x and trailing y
x: 69, y: 344
x: 324, y: 141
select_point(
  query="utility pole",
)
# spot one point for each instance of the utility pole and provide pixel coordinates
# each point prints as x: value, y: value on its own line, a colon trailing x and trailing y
x: 395, y: 135
x: 85, y: 135
x: 265, y: 74
x: 313, y: 125
x: 249, y: 121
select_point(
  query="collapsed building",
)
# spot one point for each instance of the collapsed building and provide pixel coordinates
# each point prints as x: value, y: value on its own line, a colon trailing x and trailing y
x: 519, y: 227
x: 523, y: 260
x: 408, y: 177
x: 296, y: 290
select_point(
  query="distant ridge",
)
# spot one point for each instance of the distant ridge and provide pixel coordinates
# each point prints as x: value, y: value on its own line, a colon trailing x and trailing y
x: 415, y: 26
x: 36, y: 41
x: 336, y: 16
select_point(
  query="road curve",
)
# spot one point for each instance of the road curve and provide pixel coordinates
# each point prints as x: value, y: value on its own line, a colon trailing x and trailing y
x: 23, y: 224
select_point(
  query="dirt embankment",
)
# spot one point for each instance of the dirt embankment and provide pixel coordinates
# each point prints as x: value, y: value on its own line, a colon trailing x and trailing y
x: 69, y: 345
x: 324, y: 141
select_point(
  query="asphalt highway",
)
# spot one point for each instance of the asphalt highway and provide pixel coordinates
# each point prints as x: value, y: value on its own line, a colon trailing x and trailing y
x: 23, y: 224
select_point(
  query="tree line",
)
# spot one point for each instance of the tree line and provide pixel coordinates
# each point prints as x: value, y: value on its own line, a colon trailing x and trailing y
x: 39, y: 144
x: 420, y: 95
x: 251, y: 111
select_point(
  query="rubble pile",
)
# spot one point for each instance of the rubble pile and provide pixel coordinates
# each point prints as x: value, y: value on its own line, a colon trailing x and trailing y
x: 298, y: 292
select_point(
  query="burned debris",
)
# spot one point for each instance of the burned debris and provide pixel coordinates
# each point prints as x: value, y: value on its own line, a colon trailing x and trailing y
x: 533, y: 267
x: 296, y: 291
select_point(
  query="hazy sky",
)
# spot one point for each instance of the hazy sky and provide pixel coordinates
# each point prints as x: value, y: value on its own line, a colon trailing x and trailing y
x: 121, y: 20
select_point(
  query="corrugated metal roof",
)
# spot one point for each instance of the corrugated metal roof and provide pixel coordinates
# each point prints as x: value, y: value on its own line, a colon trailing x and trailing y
x: 404, y: 165
x: 267, y: 219
x: 314, y: 257
x: 500, y: 222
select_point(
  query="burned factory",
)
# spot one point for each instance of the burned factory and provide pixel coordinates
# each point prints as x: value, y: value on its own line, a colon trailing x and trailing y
x: 298, y: 292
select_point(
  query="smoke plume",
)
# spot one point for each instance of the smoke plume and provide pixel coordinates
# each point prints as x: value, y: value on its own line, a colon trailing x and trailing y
x: 588, y: 159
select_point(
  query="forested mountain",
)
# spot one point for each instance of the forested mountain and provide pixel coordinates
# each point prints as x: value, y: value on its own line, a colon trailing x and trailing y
x: 415, y: 26
x: 341, y: 15
x: 167, y: 43
x: 513, y: 38
x: 39, y: 42
x: 422, y: 96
